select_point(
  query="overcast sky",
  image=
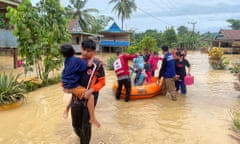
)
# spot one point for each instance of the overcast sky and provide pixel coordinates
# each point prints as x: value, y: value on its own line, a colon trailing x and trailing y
x: 209, y: 15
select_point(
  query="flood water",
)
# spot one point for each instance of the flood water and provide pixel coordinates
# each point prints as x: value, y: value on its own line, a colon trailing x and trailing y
x: 200, y: 117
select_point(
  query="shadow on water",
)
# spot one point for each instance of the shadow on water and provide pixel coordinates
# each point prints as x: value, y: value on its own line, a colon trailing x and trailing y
x: 200, y: 117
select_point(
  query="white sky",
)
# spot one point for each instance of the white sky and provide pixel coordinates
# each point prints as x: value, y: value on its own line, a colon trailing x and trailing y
x: 209, y: 15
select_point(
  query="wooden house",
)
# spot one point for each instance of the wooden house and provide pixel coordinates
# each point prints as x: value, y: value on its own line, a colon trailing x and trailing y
x: 8, y: 42
x: 5, y: 3
x: 228, y: 40
x: 78, y: 36
x: 114, y: 38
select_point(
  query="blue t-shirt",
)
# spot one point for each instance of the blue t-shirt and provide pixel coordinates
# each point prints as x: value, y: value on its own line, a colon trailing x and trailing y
x: 168, y: 67
x: 138, y: 62
x: 73, y: 66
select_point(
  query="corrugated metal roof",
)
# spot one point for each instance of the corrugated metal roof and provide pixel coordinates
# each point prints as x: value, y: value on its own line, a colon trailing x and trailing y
x: 228, y: 35
x: 7, y: 39
x: 74, y: 26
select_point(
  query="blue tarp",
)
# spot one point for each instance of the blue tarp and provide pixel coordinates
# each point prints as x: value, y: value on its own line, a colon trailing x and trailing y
x: 114, y: 43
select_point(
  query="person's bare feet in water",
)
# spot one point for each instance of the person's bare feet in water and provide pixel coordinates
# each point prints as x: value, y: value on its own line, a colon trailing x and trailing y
x: 65, y: 114
x: 95, y: 122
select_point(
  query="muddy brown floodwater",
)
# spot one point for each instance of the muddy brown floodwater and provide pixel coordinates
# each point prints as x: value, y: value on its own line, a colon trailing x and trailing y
x: 200, y: 117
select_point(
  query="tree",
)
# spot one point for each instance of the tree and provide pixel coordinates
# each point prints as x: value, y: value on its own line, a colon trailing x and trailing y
x: 156, y: 35
x: 206, y: 39
x: 99, y: 23
x: 235, y: 24
x: 40, y: 31
x: 3, y: 23
x: 184, y: 37
x: 170, y: 37
x: 146, y: 42
x: 123, y: 8
x: 182, y: 30
x: 76, y: 10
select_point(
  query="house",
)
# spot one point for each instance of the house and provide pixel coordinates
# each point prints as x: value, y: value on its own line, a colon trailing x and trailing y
x: 114, y: 38
x: 78, y: 36
x: 228, y: 40
x: 5, y: 3
x: 8, y: 42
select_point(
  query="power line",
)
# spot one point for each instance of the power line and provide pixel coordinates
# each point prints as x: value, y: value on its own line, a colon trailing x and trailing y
x: 174, y: 3
x: 155, y: 17
x: 168, y: 5
x: 193, y: 31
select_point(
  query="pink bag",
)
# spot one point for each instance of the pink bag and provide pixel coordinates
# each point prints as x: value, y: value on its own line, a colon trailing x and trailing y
x: 189, y: 80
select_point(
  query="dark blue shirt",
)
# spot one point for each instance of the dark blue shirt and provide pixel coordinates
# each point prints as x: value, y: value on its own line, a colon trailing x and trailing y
x: 168, y: 67
x: 73, y: 66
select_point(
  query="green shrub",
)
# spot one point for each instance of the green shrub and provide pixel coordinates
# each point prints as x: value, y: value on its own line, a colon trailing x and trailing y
x: 110, y: 62
x: 235, y: 114
x: 132, y: 49
x: 217, y: 60
x: 235, y: 69
x: 31, y: 85
x: 224, y: 63
x: 10, y: 89
x: 216, y: 52
x: 52, y: 80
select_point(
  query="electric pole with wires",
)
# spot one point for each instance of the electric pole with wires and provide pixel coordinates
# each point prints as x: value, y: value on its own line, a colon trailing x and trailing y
x: 193, y: 32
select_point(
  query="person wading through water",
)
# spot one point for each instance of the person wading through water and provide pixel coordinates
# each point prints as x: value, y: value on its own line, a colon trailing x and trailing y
x: 93, y: 79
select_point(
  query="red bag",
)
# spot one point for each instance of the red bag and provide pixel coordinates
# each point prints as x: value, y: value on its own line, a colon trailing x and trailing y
x: 189, y: 80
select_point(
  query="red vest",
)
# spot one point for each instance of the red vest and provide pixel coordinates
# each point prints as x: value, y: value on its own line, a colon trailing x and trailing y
x: 121, y: 64
x: 118, y: 67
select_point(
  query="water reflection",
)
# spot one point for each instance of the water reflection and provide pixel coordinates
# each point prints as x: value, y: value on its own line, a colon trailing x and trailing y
x: 200, y: 117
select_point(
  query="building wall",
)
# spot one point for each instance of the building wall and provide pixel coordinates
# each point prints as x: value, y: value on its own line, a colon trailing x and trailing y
x: 77, y: 40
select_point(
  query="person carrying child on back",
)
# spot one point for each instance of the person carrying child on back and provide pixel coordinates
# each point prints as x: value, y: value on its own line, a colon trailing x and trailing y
x: 73, y: 66
x: 181, y: 63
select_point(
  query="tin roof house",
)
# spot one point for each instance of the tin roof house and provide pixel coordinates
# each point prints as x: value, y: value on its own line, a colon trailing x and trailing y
x: 8, y: 42
x: 78, y: 36
x: 228, y: 40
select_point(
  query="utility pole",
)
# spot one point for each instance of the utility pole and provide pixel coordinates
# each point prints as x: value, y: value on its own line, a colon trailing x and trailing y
x: 193, y: 31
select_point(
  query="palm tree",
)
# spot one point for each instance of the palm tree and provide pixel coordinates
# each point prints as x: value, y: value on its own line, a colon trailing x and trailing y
x: 76, y: 10
x: 99, y: 23
x: 123, y: 8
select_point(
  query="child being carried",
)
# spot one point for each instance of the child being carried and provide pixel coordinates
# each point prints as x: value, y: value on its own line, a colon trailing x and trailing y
x: 73, y: 66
